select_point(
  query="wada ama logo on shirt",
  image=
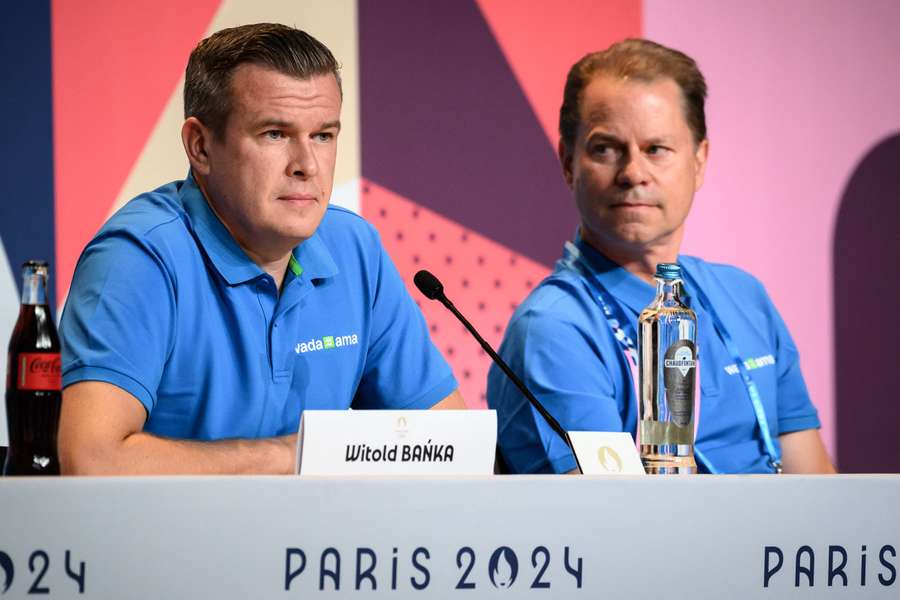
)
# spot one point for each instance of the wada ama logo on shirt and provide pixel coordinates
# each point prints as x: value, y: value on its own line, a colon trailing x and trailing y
x: 327, y: 342
x: 751, y: 364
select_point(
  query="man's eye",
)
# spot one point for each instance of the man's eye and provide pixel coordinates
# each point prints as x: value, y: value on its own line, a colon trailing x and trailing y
x: 605, y: 153
x: 324, y: 136
x: 656, y: 150
x: 274, y: 134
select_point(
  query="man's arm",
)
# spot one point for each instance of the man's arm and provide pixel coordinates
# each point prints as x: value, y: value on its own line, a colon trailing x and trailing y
x: 452, y: 402
x: 802, y: 452
x: 545, y: 345
x: 100, y: 433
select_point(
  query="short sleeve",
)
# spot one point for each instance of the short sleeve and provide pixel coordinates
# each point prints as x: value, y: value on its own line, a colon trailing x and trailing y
x: 403, y: 368
x: 562, y: 365
x: 795, y: 409
x: 117, y: 324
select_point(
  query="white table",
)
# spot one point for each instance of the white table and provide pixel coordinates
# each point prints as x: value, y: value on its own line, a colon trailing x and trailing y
x: 560, y: 537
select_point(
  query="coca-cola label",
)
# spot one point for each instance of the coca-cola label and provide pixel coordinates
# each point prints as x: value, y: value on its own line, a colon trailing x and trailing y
x: 39, y: 371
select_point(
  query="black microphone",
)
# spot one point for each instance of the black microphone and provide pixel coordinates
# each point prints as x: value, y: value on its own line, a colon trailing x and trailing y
x: 429, y: 285
x: 432, y: 289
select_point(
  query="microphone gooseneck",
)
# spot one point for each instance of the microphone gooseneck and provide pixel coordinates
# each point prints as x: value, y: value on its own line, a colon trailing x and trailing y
x: 433, y: 289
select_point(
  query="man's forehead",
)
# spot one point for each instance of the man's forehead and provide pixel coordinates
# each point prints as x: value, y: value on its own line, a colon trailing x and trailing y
x: 284, y: 99
x: 256, y: 81
x: 605, y: 95
x: 597, y: 112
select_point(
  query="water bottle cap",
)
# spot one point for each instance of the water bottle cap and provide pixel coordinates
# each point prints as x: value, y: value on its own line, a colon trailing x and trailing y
x: 668, y: 271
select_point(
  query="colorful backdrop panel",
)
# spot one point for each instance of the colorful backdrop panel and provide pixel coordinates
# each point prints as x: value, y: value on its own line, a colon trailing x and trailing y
x: 448, y: 147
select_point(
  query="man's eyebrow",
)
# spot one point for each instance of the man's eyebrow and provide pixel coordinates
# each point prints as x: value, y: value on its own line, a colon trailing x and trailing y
x: 601, y: 134
x: 270, y: 122
x: 604, y: 136
x: 280, y: 123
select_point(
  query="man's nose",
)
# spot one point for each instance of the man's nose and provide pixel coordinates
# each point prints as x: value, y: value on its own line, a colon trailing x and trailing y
x: 303, y: 163
x: 633, y: 170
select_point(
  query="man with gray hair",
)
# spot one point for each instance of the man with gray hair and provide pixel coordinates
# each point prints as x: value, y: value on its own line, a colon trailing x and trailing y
x: 206, y: 315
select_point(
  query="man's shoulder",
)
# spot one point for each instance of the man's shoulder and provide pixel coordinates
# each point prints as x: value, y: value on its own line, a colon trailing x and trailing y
x: 348, y: 235
x: 151, y: 230
x: 560, y: 298
x: 146, y: 213
x: 723, y: 272
x: 338, y: 219
x: 725, y: 278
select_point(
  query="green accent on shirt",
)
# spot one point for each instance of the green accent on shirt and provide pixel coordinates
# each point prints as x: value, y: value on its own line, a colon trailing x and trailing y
x: 294, y: 266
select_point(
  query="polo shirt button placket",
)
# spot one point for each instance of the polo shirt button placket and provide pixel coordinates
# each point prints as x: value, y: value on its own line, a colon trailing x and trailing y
x: 273, y: 344
x: 264, y: 285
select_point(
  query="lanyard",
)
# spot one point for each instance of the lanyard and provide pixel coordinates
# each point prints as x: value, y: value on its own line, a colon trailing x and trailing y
x: 618, y: 322
x: 625, y: 335
x: 612, y: 311
x: 749, y: 384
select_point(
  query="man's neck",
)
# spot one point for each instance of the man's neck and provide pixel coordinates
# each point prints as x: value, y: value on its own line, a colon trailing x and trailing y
x: 273, y: 263
x: 639, y: 260
x: 276, y: 268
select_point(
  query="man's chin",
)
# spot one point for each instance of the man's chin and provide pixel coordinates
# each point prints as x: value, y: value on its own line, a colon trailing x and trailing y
x: 629, y: 239
x: 633, y: 234
x: 295, y: 237
x: 301, y: 226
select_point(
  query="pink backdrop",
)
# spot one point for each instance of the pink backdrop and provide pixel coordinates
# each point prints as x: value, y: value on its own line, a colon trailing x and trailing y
x: 799, y: 93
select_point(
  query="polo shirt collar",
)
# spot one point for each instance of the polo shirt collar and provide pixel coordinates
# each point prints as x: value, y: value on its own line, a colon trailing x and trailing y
x: 229, y: 259
x: 315, y: 259
x: 223, y: 251
x: 627, y: 288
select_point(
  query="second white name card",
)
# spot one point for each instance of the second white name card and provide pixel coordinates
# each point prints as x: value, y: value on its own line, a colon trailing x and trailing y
x: 397, y: 442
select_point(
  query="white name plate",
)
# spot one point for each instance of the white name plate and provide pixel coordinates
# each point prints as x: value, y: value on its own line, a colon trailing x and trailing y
x: 397, y: 442
x: 606, y: 453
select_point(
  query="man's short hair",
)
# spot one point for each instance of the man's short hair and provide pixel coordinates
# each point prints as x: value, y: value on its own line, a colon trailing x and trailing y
x: 640, y: 60
x: 207, y: 82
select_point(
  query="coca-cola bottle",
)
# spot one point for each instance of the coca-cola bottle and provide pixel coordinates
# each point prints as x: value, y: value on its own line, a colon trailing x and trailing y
x: 33, y: 381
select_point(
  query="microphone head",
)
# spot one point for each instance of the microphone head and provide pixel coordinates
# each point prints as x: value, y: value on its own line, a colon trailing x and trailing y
x: 429, y: 285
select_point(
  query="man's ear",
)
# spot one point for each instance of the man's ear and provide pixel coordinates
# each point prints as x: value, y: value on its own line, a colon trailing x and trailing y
x: 565, y: 161
x: 701, y: 155
x: 196, y: 137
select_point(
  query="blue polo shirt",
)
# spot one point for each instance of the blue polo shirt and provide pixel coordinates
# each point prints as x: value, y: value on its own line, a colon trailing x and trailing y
x: 165, y: 305
x: 560, y: 343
